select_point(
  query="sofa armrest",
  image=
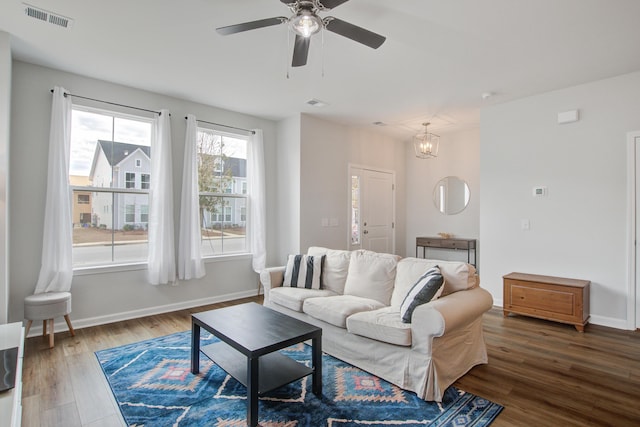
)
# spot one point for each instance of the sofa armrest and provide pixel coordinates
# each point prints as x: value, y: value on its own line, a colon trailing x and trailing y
x: 463, y: 307
x: 447, y: 314
x: 270, y: 278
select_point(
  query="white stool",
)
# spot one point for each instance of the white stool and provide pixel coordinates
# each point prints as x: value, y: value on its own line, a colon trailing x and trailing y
x: 46, y: 307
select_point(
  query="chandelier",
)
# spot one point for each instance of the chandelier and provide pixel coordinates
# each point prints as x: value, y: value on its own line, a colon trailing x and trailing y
x: 426, y: 144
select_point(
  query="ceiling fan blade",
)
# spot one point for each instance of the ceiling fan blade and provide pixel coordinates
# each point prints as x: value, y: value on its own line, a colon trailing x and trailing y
x: 253, y: 25
x: 300, y: 51
x: 330, y: 4
x: 326, y: 4
x: 353, y: 32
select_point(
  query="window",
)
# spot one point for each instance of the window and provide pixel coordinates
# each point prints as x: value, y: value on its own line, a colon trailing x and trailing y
x: 130, y: 180
x: 104, y: 144
x: 130, y: 213
x: 355, y: 210
x: 222, y: 160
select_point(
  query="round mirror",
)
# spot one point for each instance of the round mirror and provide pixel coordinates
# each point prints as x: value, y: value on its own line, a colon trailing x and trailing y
x: 451, y: 195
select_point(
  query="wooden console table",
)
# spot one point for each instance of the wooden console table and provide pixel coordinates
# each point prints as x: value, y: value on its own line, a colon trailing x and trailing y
x: 546, y: 297
x: 455, y: 244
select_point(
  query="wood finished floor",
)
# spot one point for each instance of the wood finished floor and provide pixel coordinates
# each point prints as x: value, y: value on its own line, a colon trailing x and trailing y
x: 543, y: 373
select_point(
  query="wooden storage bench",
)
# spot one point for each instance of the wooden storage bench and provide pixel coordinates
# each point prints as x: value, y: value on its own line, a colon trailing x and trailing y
x: 546, y: 297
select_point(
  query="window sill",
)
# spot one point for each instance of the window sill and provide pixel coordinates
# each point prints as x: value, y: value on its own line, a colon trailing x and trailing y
x: 116, y: 268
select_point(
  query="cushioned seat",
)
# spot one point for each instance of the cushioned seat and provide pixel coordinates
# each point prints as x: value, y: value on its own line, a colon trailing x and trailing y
x: 293, y: 298
x: 384, y: 325
x: 336, y: 309
x: 46, y: 307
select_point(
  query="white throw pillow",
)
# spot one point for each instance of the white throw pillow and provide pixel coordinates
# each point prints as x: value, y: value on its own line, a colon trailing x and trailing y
x: 371, y: 275
x: 303, y: 271
x: 427, y: 288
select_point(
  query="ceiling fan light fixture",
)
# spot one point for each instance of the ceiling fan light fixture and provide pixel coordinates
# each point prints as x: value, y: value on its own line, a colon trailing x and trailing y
x: 305, y: 23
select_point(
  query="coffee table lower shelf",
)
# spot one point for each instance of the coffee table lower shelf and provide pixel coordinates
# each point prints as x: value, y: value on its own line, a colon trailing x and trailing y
x: 275, y: 368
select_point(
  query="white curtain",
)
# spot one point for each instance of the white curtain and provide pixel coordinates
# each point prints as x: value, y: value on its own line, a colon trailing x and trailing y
x: 190, y: 264
x: 162, y: 266
x: 256, y: 187
x: 56, y: 270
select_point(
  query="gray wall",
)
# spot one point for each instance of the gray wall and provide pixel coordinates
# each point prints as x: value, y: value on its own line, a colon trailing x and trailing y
x: 580, y: 229
x: 327, y: 150
x: 5, y: 106
x: 112, y: 295
x: 458, y: 155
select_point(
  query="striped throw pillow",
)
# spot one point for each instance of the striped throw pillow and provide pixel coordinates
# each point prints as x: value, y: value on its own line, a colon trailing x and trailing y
x: 427, y: 288
x: 303, y: 271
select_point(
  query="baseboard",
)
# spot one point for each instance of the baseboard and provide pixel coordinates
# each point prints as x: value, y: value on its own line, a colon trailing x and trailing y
x: 609, y: 322
x: 60, y: 325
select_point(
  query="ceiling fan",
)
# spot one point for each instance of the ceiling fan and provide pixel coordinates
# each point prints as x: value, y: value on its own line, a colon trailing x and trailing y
x: 306, y: 22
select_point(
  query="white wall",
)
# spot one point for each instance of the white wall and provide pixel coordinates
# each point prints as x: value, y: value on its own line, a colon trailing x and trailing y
x: 5, y: 107
x: 100, y: 298
x: 458, y: 155
x: 327, y: 149
x: 579, y: 230
x: 288, y: 192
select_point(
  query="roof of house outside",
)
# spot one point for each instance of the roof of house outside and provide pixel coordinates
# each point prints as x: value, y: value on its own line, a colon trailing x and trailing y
x: 115, y: 152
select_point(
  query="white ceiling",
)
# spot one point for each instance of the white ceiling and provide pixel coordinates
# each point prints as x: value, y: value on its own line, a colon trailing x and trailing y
x: 439, y: 56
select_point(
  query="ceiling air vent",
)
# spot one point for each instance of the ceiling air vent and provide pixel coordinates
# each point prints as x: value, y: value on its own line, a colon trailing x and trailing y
x: 46, y: 16
x: 316, y: 103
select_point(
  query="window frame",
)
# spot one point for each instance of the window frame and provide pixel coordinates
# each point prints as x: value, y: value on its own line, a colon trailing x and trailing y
x: 124, y: 265
x: 218, y: 167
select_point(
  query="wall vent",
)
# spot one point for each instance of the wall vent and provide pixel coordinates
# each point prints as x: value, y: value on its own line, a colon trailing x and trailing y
x: 46, y: 16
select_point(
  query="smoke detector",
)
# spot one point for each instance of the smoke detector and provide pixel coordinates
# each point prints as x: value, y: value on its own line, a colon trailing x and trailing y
x: 47, y: 16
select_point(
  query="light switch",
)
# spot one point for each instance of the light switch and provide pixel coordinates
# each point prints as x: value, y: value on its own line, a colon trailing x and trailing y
x: 325, y: 222
x: 333, y: 222
x: 526, y: 224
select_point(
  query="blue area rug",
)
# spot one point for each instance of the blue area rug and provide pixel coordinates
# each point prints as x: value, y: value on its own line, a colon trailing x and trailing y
x: 153, y: 385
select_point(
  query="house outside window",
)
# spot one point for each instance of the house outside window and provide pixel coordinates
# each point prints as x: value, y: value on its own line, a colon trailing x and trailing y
x: 83, y: 199
x: 105, y: 147
x: 222, y: 160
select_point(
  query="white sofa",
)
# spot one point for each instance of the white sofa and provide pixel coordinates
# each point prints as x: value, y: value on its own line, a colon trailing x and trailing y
x: 358, y: 308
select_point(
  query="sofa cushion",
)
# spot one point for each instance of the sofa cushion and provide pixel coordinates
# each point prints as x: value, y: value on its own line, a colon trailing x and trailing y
x: 427, y: 288
x: 336, y: 309
x: 303, y: 271
x: 371, y: 275
x: 382, y: 325
x: 292, y: 298
x: 334, y: 269
x: 457, y: 276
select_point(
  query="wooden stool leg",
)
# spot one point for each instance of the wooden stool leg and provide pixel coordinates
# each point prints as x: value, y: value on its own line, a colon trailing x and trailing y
x: 51, y: 333
x: 44, y: 328
x: 26, y: 334
x: 66, y: 317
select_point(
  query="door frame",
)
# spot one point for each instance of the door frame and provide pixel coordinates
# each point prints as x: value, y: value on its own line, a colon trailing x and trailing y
x: 633, y: 316
x: 350, y: 168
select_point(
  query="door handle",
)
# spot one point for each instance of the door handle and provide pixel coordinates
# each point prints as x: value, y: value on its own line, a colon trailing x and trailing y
x: 365, y: 232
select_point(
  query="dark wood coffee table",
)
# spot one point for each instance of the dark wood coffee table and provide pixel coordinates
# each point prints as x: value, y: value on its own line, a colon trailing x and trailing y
x: 256, y: 332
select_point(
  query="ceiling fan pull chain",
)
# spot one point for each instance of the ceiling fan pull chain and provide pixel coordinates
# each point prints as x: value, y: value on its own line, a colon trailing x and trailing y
x: 286, y: 60
x: 322, y: 49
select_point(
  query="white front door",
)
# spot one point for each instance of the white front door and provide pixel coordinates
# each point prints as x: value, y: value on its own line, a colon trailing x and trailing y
x: 372, y: 210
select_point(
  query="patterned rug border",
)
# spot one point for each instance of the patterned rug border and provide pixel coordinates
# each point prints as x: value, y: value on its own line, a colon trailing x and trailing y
x: 458, y: 409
